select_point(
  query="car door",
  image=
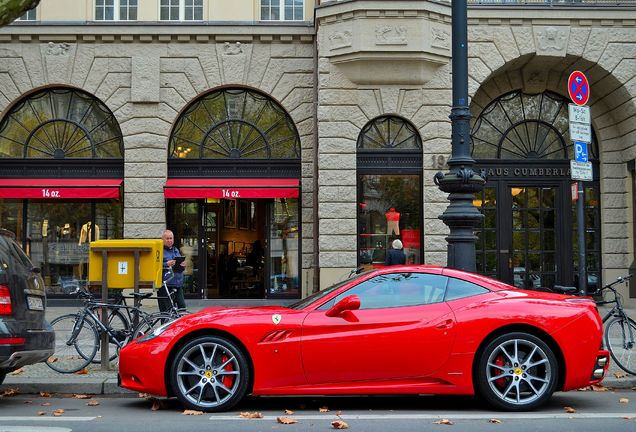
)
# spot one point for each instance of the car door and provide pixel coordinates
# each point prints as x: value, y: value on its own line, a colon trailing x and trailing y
x: 403, y: 329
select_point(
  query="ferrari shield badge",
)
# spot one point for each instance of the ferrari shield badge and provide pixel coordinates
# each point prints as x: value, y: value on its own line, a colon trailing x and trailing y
x: 276, y: 318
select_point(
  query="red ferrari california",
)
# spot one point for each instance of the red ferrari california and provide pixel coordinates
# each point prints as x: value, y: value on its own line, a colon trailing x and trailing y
x: 398, y: 330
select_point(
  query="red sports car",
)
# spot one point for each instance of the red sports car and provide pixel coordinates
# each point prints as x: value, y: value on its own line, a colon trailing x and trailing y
x: 397, y: 330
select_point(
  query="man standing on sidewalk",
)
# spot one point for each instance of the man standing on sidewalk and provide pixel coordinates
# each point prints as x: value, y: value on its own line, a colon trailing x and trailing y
x: 170, y: 254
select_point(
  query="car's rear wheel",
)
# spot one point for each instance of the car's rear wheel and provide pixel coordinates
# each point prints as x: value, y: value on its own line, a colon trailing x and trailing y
x: 516, y: 372
x: 209, y: 373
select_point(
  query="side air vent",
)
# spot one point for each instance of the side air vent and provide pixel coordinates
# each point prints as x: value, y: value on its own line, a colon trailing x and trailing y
x: 276, y: 336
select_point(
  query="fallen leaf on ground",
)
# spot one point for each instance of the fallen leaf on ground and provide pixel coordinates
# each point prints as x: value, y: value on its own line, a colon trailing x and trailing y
x: 628, y: 417
x: 339, y: 424
x: 569, y: 410
x: 286, y: 420
x: 51, y: 359
x: 444, y: 422
x: 82, y: 372
x: 251, y: 415
x: 17, y: 371
x: 623, y: 400
x: 494, y: 420
x: 10, y: 392
x: 192, y: 412
x: 81, y: 396
x: 58, y: 412
x: 45, y: 394
x: 156, y: 405
x: 323, y: 409
x: 41, y: 413
x: 599, y: 388
x: 46, y: 404
x: 620, y: 374
x: 92, y: 402
x: 289, y: 412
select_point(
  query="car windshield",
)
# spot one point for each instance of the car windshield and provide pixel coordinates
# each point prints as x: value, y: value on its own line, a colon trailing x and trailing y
x: 303, y: 303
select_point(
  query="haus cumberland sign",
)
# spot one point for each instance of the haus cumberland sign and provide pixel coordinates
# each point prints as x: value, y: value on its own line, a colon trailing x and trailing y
x: 490, y: 173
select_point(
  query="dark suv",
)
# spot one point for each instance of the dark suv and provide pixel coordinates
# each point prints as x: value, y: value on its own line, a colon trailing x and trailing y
x: 25, y: 337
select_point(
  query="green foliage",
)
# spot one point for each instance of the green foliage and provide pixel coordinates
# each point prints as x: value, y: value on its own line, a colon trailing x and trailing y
x: 12, y: 9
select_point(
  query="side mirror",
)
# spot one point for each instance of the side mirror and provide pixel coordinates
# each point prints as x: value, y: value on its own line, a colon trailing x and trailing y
x: 348, y: 303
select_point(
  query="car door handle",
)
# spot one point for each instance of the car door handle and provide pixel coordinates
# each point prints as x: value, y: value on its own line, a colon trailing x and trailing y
x: 447, y: 323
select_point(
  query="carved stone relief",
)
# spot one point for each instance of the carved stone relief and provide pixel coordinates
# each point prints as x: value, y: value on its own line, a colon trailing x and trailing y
x: 57, y: 49
x: 551, y: 40
x: 391, y: 35
x: 340, y: 39
x: 232, y: 49
x: 440, y: 38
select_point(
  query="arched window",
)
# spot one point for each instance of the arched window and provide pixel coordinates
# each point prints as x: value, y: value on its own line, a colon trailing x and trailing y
x: 234, y: 123
x: 388, y: 133
x: 60, y: 123
x: 389, y: 167
x: 523, y: 126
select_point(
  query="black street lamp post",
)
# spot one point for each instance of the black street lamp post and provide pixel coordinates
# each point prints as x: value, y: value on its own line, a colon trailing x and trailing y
x: 461, y: 182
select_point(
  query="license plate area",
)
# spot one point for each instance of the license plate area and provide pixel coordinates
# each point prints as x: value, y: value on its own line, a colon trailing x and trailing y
x: 35, y: 303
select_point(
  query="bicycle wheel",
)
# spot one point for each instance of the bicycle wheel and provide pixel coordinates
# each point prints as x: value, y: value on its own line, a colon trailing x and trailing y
x: 119, y: 324
x: 620, y: 338
x: 75, y: 344
x: 150, y: 322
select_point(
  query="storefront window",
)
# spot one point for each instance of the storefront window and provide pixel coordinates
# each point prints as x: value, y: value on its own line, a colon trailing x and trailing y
x: 58, y: 236
x: 284, y: 253
x: 389, y: 162
x: 11, y: 216
x: 389, y: 208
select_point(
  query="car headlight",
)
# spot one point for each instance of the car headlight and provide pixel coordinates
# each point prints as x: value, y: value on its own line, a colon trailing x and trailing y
x: 155, y: 332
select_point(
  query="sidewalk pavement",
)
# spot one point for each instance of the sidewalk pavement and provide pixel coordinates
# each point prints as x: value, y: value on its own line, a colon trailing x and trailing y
x: 40, y: 378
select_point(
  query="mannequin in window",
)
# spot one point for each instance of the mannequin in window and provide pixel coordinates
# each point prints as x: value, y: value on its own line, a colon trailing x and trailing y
x: 392, y: 221
x: 85, y: 233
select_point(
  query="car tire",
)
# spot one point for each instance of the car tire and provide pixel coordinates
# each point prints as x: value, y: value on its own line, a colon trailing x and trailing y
x: 209, y: 384
x: 516, y: 372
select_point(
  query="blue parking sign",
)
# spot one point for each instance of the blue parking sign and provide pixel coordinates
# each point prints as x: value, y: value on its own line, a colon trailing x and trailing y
x: 580, y: 151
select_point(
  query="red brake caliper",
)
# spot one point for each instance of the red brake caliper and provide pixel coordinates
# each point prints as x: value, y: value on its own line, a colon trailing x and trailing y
x: 501, y: 382
x: 227, y: 380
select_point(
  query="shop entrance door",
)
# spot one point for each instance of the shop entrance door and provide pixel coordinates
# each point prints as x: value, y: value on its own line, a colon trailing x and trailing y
x: 533, y: 242
x: 211, y: 238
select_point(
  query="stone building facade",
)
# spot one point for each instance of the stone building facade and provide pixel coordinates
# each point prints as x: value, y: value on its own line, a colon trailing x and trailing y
x: 358, y: 65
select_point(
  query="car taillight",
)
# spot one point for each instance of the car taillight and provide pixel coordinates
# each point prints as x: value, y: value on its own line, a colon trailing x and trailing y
x: 5, y: 300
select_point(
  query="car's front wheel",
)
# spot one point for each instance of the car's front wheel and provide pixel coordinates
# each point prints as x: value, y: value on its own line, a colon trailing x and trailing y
x: 210, y: 374
x: 516, y: 372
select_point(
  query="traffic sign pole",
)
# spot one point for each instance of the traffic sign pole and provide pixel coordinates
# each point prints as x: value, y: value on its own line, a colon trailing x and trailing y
x: 580, y: 216
x: 581, y: 133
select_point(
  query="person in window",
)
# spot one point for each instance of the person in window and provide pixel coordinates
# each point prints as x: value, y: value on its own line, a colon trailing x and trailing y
x: 395, y: 255
x: 170, y: 252
x: 255, y: 257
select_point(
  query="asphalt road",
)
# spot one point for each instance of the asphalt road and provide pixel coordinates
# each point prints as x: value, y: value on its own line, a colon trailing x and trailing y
x: 593, y: 411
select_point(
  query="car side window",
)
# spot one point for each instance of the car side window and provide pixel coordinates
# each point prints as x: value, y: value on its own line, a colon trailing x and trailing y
x: 396, y: 290
x: 458, y: 288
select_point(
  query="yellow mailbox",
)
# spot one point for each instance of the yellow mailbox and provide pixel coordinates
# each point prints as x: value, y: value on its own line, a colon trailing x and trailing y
x: 120, y: 257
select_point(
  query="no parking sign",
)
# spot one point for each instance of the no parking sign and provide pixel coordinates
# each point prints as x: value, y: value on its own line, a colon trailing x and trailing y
x: 578, y: 88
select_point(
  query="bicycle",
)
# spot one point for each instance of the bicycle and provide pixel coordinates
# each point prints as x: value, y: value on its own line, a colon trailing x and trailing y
x: 620, y: 329
x: 78, y: 335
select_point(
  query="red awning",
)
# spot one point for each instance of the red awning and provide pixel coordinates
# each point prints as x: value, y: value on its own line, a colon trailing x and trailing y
x: 60, y: 188
x: 231, y: 188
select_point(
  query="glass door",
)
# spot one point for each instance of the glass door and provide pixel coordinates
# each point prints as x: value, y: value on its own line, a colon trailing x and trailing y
x: 534, y: 246
x: 283, y: 254
x: 184, y: 223
x: 211, y: 236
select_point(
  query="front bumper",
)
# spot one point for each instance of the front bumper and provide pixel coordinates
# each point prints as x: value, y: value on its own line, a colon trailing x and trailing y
x: 141, y: 368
